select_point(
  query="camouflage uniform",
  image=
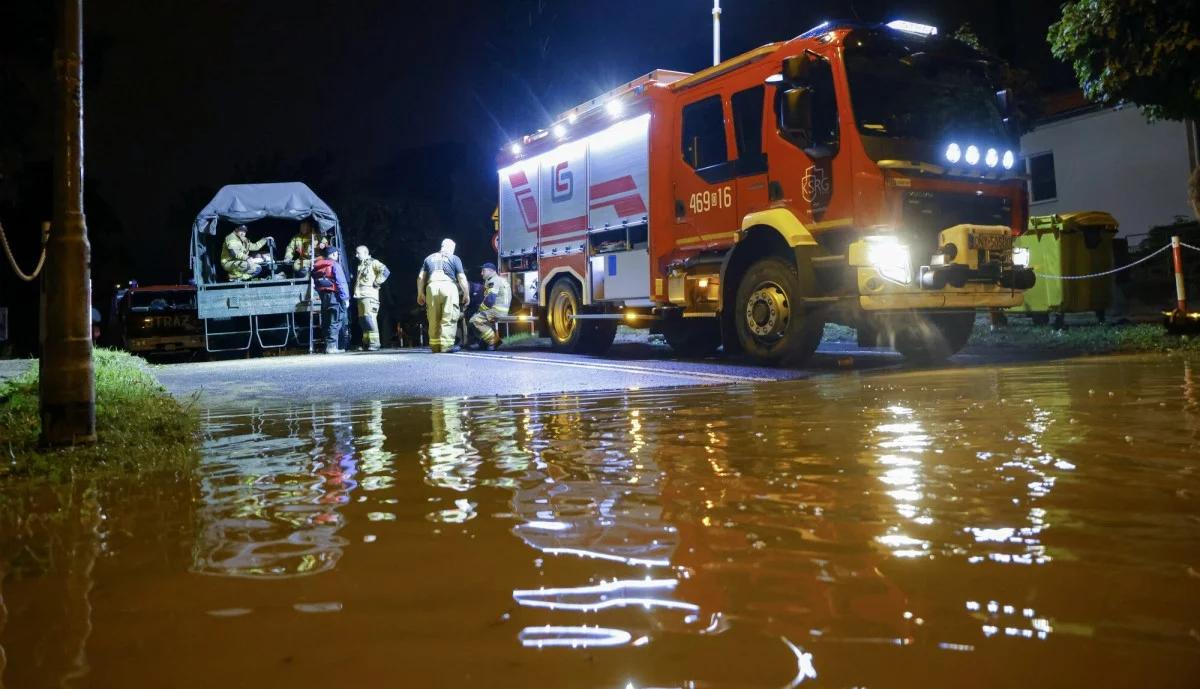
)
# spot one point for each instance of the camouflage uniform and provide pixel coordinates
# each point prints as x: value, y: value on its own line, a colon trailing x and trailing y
x: 497, y: 298
x: 301, y: 248
x: 371, y: 274
x: 235, y: 257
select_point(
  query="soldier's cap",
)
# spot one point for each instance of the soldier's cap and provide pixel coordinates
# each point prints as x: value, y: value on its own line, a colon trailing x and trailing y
x: 240, y: 228
x: 487, y: 266
x: 330, y: 250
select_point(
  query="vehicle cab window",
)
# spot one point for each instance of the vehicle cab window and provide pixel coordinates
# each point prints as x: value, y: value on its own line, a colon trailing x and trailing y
x: 747, y: 130
x: 703, y: 142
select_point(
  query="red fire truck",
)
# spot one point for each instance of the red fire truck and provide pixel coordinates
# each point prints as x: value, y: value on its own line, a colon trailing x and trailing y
x: 861, y: 174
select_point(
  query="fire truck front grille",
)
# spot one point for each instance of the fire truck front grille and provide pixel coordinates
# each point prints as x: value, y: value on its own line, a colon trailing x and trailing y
x: 927, y: 213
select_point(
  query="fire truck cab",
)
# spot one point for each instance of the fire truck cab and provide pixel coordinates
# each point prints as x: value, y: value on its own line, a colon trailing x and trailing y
x: 859, y: 174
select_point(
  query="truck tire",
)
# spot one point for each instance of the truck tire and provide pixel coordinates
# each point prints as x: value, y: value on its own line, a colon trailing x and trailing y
x: 773, y: 326
x: 933, y: 338
x: 570, y: 335
x: 693, y: 337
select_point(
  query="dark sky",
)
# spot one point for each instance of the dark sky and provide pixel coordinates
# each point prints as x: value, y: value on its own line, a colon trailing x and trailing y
x: 189, y: 93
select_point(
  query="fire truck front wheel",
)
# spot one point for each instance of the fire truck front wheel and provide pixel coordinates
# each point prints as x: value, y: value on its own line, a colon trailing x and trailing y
x: 568, y: 334
x: 933, y: 338
x: 773, y: 326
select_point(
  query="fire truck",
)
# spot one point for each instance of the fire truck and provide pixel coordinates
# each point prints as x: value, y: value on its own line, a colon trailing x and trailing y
x: 862, y: 174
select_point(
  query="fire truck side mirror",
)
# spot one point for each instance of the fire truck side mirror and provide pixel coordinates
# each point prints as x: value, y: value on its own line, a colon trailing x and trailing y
x: 795, y: 69
x: 1005, y: 102
x: 795, y: 115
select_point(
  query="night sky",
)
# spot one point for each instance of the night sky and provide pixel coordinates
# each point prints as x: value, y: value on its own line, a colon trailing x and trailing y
x: 185, y: 96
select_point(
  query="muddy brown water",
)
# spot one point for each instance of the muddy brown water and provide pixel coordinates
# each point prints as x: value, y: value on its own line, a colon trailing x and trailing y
x: 987, y: 527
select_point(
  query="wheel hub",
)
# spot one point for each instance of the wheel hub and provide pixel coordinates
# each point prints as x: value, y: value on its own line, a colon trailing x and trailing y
x: 767, y: 311
x: 562, y: 317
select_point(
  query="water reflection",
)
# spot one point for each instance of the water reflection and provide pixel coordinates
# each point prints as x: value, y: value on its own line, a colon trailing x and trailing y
x: 273, y: 483
x: 906, y: 529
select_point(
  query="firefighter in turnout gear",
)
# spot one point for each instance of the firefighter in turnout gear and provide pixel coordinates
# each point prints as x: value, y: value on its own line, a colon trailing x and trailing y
x: 331, y: 283
x: 442, y: 289
x: 371, y: 274
x: 307, y: 243
x: 497, y: 297
x: 236, y: 258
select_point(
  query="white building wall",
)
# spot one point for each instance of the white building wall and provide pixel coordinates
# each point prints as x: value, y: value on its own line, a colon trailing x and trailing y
x: 1113, y: 160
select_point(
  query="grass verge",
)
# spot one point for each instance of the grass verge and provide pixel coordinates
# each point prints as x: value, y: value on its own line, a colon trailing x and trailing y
x: 1085, y: 339
x: 139, y: 426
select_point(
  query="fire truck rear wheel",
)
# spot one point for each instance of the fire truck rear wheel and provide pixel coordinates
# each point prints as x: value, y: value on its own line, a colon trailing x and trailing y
x: 933, y: 338
x: 567, y: 334
x: 774, y: 327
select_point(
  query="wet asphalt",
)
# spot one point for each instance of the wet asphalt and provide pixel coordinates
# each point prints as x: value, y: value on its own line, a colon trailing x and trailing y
x: 419, y: 374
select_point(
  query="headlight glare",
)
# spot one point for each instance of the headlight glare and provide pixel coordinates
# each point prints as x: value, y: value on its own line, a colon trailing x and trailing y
x: 992, y: 158
x: 889, y: 258
x: 1020, y: 256
x: 1008, y: 160
x: 953, y: 153
x: 972, y: 155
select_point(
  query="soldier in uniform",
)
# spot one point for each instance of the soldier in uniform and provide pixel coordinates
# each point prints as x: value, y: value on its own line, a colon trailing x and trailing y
x: 371, y: 274
x: 236, y: 258
x: 442, y: 289
x: 307, y: 243
x: 497, y: 297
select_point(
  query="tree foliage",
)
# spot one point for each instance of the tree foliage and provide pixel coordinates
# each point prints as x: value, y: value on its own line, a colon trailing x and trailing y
x: 1145, y: 52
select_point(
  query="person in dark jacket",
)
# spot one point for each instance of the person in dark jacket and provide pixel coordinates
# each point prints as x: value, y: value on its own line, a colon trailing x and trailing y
x: 334, y: 289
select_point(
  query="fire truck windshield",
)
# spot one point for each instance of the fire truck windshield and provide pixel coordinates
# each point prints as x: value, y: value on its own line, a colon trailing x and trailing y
x: 929, y: 90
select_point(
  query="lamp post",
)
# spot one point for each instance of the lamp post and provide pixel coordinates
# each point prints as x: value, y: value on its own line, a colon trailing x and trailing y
x: 66, y: 378
x: 716, y: 13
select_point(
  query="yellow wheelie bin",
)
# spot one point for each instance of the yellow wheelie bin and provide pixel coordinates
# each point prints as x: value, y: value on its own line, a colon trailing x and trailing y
x: 1068, y: 244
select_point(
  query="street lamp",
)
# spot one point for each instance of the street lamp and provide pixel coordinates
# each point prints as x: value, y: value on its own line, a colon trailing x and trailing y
x: 716, y: 13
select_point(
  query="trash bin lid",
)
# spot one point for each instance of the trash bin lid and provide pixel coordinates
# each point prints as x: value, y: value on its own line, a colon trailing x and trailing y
x: 1073, y: 221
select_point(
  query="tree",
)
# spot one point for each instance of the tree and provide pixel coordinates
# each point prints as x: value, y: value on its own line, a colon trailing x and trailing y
x: 1145, y: 52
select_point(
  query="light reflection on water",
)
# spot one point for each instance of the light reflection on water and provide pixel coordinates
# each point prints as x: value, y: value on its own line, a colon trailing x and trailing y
x: 843, y: 530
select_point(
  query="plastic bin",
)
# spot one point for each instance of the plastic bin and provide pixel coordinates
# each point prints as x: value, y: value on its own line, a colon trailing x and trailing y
x: 1078, y: 243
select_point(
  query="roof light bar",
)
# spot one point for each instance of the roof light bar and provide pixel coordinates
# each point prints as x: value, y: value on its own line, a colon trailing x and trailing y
x: 912, y: 27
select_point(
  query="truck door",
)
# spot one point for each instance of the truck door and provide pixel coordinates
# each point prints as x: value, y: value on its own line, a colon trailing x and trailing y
x: 704, y: 187
x: 750, y: 168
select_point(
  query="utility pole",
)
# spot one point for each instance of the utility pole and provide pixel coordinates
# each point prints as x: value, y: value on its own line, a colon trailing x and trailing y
x: 716, y: 32
x: 66, y: 378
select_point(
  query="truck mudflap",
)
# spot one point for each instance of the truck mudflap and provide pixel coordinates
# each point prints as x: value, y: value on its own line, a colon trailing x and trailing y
x: 971, y: 267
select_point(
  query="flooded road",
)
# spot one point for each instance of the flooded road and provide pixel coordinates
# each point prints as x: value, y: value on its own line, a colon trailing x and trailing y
x: 1036, y: 525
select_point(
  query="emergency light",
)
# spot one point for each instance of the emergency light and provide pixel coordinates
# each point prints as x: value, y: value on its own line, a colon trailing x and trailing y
x: 912, y: 27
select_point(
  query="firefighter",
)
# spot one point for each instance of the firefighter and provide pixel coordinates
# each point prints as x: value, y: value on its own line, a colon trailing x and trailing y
x: 331, y: 283
x: 236, y: 258
x: 497, y: 297
x: 371, y: 274
x: 307, y: 242
x: 442, y: 289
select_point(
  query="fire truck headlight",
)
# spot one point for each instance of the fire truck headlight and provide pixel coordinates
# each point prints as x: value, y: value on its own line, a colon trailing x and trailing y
x: 953, y: 153
x: 559, y: 131
x: 1020, y: 257
x: 1008, y: 160
x: 614, y: 108
x: 890, y: 258
x: 515, y: 149
x: 972, y: 155
x: 992, y: 158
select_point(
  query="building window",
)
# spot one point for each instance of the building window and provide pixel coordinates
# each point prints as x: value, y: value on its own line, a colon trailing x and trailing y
x: 704, y: 133
x: 1041, y: 177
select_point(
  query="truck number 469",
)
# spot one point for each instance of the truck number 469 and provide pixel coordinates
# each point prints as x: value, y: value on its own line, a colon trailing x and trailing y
x: 709, y: 199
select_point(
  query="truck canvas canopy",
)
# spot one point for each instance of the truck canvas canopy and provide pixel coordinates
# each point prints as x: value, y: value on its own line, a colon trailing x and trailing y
x: 244, y: 203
